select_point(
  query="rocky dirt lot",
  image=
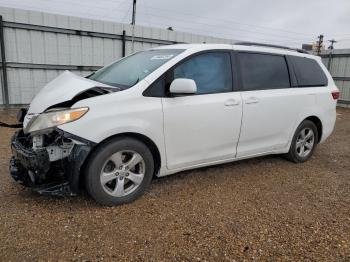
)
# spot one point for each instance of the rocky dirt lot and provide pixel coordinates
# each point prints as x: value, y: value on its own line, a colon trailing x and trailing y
x: 260, y: 209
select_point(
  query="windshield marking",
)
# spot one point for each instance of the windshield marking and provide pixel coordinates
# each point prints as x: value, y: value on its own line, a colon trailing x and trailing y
x: 161, y: 57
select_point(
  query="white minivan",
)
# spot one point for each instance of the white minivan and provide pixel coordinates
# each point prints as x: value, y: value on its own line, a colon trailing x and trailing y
x: 170, y: 109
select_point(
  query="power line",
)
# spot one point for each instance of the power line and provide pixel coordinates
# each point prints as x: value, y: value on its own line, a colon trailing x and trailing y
x: 201, y: 23
x: 147, y: 12
x: 229, y: 21
x: 223, y: 26
x: 229, y: 34
x: 126, y: 14
x: 93, y: 14
x: 343, y: 39
x: 183, y: 21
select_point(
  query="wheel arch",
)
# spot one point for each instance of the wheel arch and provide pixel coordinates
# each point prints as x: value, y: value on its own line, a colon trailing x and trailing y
x: 146, y: 140
x: 143, y: 138
x: 317, y: 121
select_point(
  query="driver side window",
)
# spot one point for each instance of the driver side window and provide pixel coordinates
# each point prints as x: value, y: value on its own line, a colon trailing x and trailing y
x: 211, y: 72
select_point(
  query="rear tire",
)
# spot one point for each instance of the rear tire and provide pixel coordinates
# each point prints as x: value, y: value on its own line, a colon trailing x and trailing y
x: 119, y: 171
x: 304, y: 142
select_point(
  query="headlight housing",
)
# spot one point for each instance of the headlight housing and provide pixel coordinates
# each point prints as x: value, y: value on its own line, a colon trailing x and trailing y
x: 54, y: 118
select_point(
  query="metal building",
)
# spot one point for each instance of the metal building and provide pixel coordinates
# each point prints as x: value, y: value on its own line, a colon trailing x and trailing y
x: 338, y: 63
x: 36, y: 47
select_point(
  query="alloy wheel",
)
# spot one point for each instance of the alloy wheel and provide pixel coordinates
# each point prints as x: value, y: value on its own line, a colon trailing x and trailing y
x: 122, y: 173
x: 305, y: 142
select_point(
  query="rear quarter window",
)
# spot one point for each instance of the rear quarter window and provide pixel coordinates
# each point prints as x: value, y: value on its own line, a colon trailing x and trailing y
x: 308, y: 72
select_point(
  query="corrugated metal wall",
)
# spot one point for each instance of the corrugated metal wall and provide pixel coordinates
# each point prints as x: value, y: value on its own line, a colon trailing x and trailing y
x: 39, y: 46
x: 338, y: 63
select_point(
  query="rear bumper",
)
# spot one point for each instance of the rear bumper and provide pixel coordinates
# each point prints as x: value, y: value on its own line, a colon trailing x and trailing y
x: 34, y: 169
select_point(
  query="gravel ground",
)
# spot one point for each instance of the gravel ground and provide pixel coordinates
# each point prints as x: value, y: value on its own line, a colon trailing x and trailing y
x: 259, y: 209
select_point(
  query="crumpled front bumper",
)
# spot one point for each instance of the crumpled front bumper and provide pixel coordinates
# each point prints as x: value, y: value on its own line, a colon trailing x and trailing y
x: 34, y: 169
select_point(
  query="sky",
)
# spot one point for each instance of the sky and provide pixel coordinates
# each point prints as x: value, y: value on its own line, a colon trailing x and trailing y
x: 282, y: 22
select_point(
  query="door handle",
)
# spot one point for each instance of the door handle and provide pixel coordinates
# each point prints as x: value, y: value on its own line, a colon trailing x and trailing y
x: 252, y: 100
x: 232, y: 102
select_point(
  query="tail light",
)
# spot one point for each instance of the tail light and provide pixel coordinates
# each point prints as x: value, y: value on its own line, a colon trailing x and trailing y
x: 335, y: 95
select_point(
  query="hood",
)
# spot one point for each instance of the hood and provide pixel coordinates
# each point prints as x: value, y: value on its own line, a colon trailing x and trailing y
x: 64, y: 88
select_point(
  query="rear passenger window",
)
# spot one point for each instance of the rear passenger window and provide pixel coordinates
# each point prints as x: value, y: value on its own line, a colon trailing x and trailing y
x: 263, y: 71
x: 308, y: 72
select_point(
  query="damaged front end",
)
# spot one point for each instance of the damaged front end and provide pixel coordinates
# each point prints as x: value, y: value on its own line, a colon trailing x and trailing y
x: 49, y: 163
x: 45, y: 157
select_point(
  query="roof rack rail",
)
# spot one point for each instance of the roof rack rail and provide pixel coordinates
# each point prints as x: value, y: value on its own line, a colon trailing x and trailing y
x: 274, y: 46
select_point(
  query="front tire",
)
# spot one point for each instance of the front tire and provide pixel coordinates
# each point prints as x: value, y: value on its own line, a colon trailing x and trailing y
x: 119, y: 171
x: 304, y: 142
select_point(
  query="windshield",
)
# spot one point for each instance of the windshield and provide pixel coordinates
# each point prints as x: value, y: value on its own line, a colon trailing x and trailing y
x: 132, y: 69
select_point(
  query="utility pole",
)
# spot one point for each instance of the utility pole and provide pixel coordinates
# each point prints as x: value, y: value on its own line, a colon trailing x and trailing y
x: 133, y: 24
x: 332, y: 41
x: 331, y: 47
x: 319, y: 44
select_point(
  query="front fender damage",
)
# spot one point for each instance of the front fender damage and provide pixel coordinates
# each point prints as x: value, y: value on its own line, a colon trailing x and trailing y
x: 50, y: 164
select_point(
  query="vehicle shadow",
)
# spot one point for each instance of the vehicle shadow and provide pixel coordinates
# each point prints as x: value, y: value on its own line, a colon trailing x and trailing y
x: 220, y: 169
x: 158, y: 185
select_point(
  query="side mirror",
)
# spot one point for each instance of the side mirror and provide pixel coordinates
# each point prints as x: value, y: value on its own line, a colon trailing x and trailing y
x: 183, y: 86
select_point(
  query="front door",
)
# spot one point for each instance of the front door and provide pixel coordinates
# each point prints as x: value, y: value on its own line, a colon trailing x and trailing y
x: 203, y: 128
